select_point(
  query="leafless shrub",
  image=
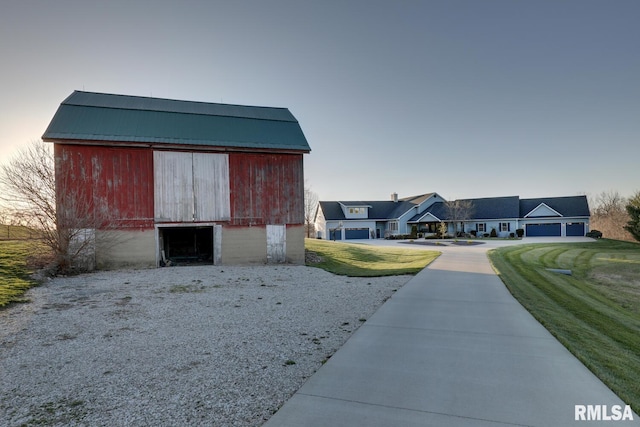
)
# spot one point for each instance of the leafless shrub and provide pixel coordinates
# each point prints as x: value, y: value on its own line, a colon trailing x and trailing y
x: 38, y: 196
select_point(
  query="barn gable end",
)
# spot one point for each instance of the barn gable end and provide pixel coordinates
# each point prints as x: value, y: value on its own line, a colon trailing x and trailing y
x: 173, y: 182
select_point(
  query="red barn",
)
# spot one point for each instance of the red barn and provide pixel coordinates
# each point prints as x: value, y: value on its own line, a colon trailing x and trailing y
x: 181, y: 182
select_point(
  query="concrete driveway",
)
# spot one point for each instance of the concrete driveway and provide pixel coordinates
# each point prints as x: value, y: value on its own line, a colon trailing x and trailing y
x: 450, y: 348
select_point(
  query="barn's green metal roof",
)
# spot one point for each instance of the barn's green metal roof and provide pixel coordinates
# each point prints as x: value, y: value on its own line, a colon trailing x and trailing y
x: 89, y: 116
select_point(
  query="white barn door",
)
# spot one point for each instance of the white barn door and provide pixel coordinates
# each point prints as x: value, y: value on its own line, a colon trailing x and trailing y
x: 173, y: 186
x: 191, y: 186
x: 276, y: 243
x: 211, y: 186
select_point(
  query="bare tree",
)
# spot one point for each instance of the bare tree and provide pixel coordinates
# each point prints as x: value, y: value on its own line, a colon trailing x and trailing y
x: 310, y: 207
x: 608, y: 215
x: 65, y: 219
x: 609, y: 203
x: 459, y: 211
x: 28, y: 182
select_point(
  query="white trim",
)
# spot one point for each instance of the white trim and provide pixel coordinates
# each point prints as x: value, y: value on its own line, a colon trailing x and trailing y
x: 546, y: 206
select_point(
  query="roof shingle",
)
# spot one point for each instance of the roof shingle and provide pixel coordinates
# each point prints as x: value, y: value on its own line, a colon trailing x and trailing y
x: 567, y: 206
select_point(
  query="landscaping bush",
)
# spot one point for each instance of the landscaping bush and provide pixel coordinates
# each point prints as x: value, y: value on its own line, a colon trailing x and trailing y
x: 512, y: 235
x: 473, y: 233
x: 520, y: 232
x: 399, y: 237
x: 494, y: 233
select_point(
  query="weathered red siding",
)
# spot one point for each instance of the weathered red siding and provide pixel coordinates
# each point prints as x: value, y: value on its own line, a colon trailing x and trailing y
x: 266, y: 188
x: 115, y: 183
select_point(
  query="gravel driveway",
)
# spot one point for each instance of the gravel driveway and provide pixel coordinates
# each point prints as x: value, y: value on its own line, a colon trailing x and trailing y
x: 222, y: 346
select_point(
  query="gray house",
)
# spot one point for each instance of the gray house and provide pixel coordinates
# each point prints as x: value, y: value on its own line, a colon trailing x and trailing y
x: 551, y: 216
x: 345, y: 220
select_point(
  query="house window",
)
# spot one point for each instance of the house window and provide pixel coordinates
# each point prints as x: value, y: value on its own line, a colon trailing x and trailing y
x: 482, y: 227
x: 505, y: 226
x: 393, y: 226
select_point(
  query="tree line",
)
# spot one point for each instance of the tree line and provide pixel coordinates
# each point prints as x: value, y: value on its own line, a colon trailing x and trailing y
x: 617, y: 217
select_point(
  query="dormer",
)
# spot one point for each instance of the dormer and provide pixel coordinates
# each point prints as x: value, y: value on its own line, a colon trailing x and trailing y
x: 355, y: 210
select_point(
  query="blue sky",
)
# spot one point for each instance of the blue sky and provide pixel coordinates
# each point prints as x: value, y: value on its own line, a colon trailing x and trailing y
x: 467, y: 98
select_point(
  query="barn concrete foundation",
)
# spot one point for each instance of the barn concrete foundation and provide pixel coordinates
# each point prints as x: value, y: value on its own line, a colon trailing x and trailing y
x: 125, y: 248
x: 248, y: 245
x: 244, y: 245
x: 222, y: 245
x: 295, y: 244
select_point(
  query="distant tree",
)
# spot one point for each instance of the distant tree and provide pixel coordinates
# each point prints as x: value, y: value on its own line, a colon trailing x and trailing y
x: 310, y: 207
x: 459, y: 211
x: 609, y: 203
x: 608, y: 215
x: 633, y: 209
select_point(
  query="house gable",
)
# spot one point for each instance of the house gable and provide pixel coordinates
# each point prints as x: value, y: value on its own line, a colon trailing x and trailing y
x: 427, y: 217
x: 543, y: 210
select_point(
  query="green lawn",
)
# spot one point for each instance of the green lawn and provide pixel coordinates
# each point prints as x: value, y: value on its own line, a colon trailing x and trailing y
x: 368, y: 261
x: 14, y: 272
x: 595, y: 312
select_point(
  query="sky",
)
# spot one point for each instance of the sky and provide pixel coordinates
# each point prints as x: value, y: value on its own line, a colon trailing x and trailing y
x: 466, y: 98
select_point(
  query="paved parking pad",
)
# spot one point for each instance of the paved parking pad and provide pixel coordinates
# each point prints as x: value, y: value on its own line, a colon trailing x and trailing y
x: 450, y: 348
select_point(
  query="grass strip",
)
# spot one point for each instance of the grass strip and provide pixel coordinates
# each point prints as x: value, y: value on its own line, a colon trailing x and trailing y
x: 594, y: 312
x: 367, y: 261
x: 14, y: 272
